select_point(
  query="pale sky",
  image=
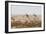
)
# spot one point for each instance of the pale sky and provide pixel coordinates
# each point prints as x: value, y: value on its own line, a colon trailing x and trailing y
x: 23, y: 10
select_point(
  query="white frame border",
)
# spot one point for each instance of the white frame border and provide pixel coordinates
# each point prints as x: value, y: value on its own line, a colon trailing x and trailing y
x: 24, y: 29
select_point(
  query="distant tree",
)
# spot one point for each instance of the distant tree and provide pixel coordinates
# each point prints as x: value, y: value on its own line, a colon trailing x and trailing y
x: 34, y: 15
x: 27, y: 15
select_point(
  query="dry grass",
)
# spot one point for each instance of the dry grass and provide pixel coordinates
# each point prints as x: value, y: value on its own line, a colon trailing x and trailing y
x: 25, y: 21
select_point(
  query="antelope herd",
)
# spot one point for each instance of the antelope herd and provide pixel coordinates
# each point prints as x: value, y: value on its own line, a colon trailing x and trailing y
x: 23, y: 21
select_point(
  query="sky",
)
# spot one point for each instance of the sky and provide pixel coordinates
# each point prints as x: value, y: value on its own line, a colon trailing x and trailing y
x: 23, y: 10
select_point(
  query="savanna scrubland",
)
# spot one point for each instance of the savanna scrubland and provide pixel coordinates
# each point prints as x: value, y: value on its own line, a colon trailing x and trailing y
x: 25, y: 21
